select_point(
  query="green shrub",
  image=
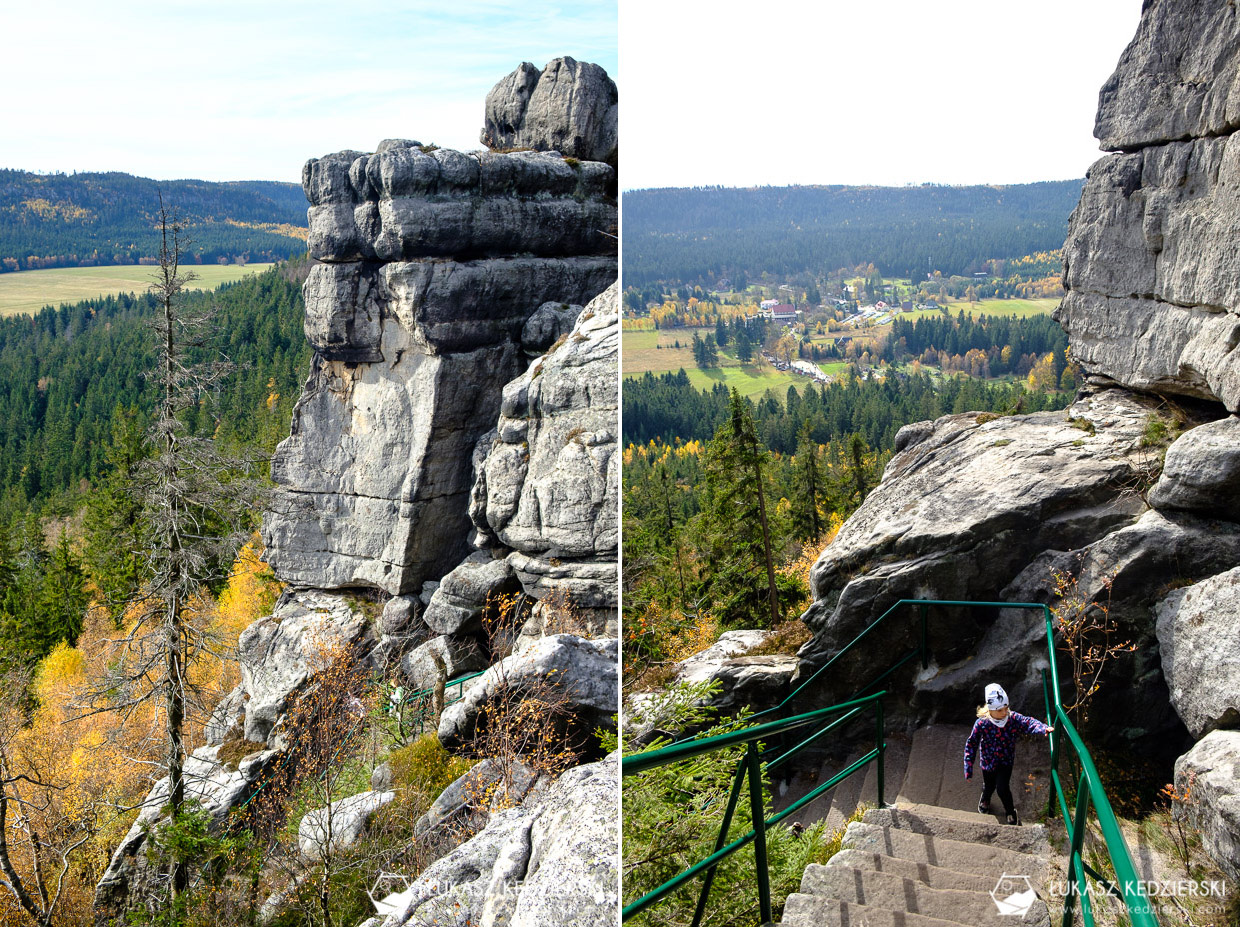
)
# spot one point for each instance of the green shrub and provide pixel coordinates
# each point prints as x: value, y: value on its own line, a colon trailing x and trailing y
x: 423, y: 769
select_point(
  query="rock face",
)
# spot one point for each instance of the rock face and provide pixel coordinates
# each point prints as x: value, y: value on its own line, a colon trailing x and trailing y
x: 579, y: 674
x: 1202, y: 472
x: 433, y: 261
x: 1214, y: 766
x: 569, y: 107
x: 1153, y: 289
x: 548, y: 478
x: 960, y: 513
x: 1200, y: 644
x: 549, y: 861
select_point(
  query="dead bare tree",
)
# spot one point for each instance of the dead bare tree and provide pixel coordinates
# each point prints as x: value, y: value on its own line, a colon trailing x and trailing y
x: 193, y: 502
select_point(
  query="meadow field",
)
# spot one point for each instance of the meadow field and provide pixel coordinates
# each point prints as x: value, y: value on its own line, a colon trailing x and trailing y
x: 656, y: 351
x: 28, y: 291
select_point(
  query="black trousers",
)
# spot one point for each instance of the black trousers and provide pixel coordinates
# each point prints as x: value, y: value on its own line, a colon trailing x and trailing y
x: 997, y: 780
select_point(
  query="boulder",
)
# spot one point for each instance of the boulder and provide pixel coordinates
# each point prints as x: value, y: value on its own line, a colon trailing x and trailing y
x: 569, y: 106
x: 490, y: 786
x: 402, y: 616
x: 279, y: 653
x: 961, y: 512
x: 1199, y: 642
x: 460, y: 655
x: 1213, y: 764
x: 214, y: 786
x: 553, y: 860
x: 1202, y: 472
x: 339, y: 824
x: 578, y: 675
x: 478, y: 585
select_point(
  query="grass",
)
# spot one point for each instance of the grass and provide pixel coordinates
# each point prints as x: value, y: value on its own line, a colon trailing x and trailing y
x: 1020, y: 308
x: 656, y: 352
x: 29, y: 291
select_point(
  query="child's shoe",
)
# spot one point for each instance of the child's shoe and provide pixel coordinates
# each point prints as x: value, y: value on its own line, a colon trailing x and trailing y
x: 1014, y: 818
x: 983, y: 806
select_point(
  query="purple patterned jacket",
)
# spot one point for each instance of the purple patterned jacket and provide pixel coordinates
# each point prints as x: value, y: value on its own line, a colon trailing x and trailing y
x: 998, y: 744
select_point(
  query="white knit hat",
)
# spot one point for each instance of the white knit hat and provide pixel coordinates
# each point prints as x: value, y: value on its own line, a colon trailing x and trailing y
x: 995, y: 697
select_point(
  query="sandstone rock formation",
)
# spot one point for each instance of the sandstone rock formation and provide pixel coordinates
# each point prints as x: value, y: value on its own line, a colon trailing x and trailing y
x: 569, y: 106
x: 1024, y: 508
x: 445, y: 309
x: 433, y: 262
x: 1153, y: 289
x: 1214, y: 767
x: 547, y: 479
x: 579, y: 675
x: 1199, y: 638
x: 340, y: 824
x: 549, y: 861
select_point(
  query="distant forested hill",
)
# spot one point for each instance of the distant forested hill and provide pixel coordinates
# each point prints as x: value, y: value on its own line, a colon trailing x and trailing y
x: 70, y: 376
x: 699, y: 235
x: 74, y: 220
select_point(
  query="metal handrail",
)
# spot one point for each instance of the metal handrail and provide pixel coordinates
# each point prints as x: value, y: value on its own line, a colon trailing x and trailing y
x: 1090, y: 790
x: 750, y: 767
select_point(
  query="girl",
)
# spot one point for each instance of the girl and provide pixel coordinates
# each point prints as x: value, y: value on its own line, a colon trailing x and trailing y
x: 994, y: 734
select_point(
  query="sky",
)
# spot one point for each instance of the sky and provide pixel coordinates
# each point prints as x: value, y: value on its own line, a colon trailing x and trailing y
x: 883, y: 92
x: 249, y: 90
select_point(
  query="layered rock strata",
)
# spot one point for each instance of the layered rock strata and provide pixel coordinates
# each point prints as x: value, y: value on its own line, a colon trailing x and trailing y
x: 432, y: 262
x: 1153, y: 285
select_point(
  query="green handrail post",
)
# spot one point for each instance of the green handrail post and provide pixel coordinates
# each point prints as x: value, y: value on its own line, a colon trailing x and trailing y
x: 881, y: 746
x: 1078, y: 841
x: 1054, y: 721
x: 925, y: 652
x: 733, y: 797
x: 758, y: 810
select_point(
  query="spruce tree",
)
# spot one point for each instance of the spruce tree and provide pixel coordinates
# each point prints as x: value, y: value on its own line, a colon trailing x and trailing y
x: 811, y: 486
x: 740, y: 575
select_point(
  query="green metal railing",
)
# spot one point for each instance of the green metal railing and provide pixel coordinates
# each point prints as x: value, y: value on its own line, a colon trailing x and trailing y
x: 1089, y: 792
x: 421, y: 704
x: 750, y: 767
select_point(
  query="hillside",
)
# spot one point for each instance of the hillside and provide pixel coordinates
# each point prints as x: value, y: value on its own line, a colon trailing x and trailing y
x: 703, y: 234
x: 75, y: 220
x: 66, y: 374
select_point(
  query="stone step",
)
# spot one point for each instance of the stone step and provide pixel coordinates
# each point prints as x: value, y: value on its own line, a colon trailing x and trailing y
x: 817, y: 911
x: 966, y: 826
x: 896, y: 893
x: 972, y: 858
x: 895, y: 765
x: 930, y: 748
x: 934, y: 876
x: 836, y: 806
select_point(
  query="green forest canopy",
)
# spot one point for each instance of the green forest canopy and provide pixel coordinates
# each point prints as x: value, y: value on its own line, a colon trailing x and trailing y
x: 75, y: 220
x: 703, y: 234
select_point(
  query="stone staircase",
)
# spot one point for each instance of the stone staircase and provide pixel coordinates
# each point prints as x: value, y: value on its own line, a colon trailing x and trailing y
x: 928, y: 859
